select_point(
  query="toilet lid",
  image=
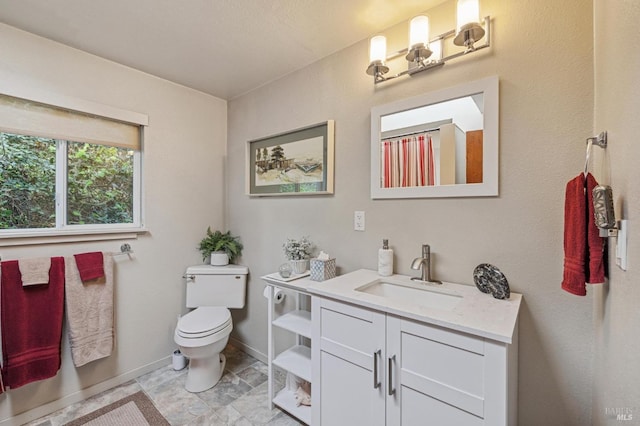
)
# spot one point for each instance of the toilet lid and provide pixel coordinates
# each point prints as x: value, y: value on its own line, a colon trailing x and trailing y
x: 204, y: 321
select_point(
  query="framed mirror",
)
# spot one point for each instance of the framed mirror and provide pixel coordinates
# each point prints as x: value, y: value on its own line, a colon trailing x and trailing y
x: 440, y: 144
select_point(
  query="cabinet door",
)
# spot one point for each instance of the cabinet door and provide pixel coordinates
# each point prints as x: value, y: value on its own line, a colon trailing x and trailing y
x: 438, y: 375
x: 349, y: 349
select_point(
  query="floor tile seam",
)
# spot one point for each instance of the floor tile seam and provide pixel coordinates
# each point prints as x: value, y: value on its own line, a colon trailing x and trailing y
x: 240, y: 379
x: 243, y: 414
x: 216, y: 408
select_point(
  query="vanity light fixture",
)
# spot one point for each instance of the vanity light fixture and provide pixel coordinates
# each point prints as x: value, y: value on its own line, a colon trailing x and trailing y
x: 422, y: 53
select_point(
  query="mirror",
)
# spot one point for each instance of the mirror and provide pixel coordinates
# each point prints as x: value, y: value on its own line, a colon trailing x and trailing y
x: 440, y: 144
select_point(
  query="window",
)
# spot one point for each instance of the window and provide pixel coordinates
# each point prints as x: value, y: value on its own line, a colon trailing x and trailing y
x: 66, y: 171
x: 27, y: 182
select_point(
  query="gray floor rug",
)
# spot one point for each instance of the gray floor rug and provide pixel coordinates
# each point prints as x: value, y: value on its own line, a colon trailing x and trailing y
x: 133, y: 410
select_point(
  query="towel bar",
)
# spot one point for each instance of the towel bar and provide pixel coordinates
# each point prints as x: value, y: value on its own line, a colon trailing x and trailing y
x: 124, y: 249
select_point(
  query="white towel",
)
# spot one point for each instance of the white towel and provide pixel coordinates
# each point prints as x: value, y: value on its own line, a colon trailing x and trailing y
x: 303, y: 394
x: 89, y: 312
x: 35, y: 270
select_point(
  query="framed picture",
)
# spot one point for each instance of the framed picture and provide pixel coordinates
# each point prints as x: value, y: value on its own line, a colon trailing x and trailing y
x: 299, y: 162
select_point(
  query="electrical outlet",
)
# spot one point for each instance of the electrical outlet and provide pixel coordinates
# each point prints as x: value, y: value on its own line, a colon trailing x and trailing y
x: 358, y: 221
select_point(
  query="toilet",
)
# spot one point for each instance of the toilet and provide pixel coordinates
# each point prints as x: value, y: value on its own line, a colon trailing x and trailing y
x: 203, y: 333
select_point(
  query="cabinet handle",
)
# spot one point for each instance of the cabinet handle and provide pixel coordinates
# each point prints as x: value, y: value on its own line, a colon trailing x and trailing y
x: 376, y: 382
x: 391, y: 388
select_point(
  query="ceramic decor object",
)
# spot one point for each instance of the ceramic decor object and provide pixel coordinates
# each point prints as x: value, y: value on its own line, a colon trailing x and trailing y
x: 490, y: 279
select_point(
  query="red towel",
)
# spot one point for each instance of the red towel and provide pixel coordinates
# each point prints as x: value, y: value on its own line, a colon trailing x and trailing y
x: 583, y: 247
x: 90, y: 265
x: 31, y: 325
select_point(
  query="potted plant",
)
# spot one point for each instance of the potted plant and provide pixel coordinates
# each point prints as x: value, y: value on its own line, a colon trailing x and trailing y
x: 297, y: 253
x: 222, y: 247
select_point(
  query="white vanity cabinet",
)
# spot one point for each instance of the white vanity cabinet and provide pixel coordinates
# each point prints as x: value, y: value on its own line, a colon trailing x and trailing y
x: 376, y: 368
x: 347, y: 355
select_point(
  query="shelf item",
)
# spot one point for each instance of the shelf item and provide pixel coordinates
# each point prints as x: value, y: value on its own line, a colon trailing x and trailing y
x: 276, y: 276
x: 298, y: 322
x: 286, y: 400
x: 296, y: 360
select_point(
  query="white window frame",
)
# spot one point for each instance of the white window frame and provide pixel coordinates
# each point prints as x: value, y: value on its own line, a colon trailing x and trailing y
x: 61, y: 194
x: 92, y: 232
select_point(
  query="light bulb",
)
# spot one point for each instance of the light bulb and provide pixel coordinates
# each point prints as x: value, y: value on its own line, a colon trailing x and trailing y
x: 468, y: 12
x: 378, y: 49
x: 419, y: 32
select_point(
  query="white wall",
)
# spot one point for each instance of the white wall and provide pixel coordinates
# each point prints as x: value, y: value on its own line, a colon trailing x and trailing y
x: 183, y: 176
x: 616, y: 307
x: 542, y: 52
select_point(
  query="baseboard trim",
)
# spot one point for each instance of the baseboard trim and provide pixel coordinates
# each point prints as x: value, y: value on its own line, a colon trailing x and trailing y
x: 248, y: 349
x: 51, y: 407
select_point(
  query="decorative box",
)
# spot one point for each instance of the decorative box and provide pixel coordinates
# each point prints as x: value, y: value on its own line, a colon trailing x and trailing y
x: 322, y: 270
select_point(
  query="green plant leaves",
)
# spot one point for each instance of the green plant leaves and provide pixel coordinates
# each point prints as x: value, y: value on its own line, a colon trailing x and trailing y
x: 218, y: 241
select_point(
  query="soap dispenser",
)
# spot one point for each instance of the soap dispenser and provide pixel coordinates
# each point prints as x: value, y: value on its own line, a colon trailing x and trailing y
x: 385, y: 259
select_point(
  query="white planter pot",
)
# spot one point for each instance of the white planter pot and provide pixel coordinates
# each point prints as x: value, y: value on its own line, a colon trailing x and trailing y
x: 299, y: 266
x: 219, y: 258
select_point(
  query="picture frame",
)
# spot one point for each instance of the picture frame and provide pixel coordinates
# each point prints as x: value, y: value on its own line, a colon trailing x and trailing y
x: 297, y: 162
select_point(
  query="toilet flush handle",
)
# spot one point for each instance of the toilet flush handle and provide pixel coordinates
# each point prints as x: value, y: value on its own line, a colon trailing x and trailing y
x: 189, y: 277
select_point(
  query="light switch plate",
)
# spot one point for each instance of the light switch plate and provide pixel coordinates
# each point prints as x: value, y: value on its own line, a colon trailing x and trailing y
x: 621, y: 246
x: 358, y: 221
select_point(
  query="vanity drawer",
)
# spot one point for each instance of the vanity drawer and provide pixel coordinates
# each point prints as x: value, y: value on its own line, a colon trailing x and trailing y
x: 345, y: 327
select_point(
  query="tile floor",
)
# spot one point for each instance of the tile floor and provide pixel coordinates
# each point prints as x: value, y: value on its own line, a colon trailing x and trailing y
x: 239, y: 399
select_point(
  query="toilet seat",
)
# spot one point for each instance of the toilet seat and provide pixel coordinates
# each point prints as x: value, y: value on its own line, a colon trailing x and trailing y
x: 203, y: 322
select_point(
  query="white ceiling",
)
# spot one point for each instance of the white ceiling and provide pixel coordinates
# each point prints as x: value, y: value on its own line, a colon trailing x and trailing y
x: 222, y: 47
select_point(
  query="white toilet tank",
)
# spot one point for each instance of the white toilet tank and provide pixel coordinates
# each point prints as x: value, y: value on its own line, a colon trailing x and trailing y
x: 216, y: 286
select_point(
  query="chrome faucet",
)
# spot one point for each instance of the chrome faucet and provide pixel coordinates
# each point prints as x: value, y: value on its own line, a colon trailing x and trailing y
x: 424, y: 263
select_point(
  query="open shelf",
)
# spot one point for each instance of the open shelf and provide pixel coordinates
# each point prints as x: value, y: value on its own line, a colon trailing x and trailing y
x: 286, y: 400
x: 296, y: 360
x: 298, y: 322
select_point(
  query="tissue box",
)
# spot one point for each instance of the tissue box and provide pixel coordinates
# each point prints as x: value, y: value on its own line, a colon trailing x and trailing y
x: 322, y: 269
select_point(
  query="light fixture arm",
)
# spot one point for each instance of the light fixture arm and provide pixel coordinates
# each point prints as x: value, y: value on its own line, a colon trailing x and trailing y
x: 378, y: 70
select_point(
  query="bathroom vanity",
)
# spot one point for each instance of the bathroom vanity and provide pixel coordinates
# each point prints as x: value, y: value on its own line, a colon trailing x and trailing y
x: 391, y: 351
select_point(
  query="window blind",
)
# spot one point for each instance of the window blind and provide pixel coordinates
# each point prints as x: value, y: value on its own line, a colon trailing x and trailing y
x: 26, y: 117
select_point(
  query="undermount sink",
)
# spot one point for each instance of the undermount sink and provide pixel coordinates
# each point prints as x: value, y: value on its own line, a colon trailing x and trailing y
x: 414, y: 293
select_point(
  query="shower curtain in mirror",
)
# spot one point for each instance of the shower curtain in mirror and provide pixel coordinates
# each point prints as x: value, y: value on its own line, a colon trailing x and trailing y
x: 407, y: 161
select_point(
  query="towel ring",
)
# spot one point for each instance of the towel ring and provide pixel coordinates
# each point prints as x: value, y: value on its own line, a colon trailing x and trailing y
x: 601, y: 141
x: 588, y: 156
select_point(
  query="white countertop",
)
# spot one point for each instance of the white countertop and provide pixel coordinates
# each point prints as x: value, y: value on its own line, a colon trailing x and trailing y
x: 477, y: 313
